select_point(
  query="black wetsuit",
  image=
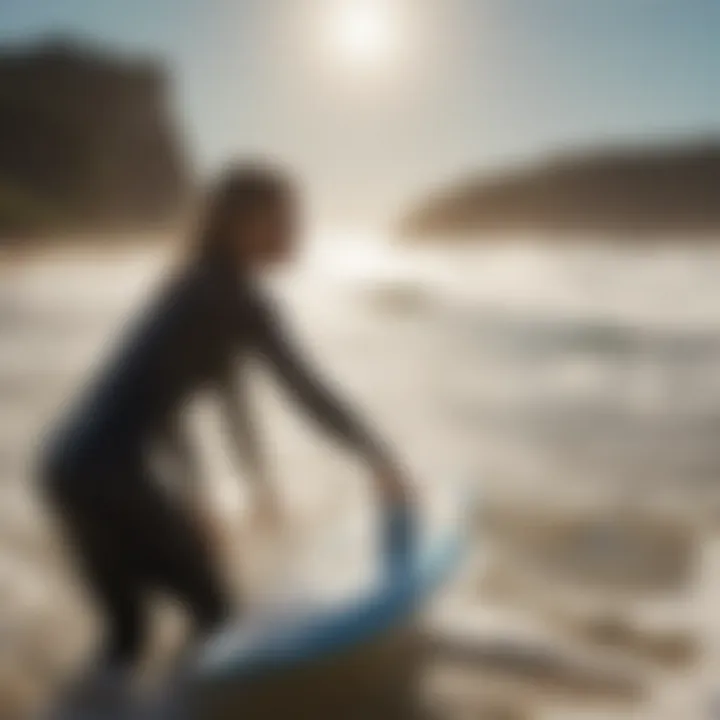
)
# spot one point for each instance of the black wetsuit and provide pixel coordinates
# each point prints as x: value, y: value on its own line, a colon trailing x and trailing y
x: 130, y: 536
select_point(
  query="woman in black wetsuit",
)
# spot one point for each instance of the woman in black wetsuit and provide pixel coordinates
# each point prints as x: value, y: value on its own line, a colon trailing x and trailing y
x: 128, y: 534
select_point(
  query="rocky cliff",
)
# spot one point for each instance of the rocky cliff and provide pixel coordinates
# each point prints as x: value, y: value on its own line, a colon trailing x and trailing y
x: 85, y: 139
x: 639, y: 193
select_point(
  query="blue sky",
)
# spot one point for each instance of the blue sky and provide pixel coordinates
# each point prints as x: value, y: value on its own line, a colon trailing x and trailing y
x: 482, y: 83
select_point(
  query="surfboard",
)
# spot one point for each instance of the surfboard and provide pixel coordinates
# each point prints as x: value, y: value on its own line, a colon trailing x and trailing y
x: 303, y: 646
x: 414, y: 567
x: 347, y: 657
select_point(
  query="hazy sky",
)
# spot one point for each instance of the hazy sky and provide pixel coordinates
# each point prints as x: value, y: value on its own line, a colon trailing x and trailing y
x: 461, y: 85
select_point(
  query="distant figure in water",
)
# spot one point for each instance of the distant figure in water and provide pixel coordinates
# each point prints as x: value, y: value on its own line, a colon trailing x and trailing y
x: 129, y: 535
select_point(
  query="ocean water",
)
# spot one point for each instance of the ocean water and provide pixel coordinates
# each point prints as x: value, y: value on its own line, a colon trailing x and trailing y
x: 537, y: 372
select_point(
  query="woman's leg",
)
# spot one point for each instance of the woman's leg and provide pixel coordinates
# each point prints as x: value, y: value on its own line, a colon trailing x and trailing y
x: 130, y: 537
x: 171, y: 553
x: 119, y: 594
x: 98, y: 545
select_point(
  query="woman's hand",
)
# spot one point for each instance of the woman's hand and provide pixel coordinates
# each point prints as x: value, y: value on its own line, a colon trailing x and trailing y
x: 266, y: 542
x: 400, y: 516
x: 208, y: 524
x: 267, y: 516
x: 393, y: 484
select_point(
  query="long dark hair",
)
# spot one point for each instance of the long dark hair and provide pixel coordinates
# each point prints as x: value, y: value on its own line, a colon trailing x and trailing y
x: 241, y: 190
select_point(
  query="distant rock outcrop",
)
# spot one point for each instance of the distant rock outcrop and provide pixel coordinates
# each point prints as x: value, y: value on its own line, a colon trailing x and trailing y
x: 643, y: 193
x: 85, y: 139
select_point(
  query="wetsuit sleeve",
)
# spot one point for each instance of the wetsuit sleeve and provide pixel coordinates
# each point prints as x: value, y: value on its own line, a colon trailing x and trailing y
x: 174, y: 439
x: 238, y: 412
x: 273, y: 343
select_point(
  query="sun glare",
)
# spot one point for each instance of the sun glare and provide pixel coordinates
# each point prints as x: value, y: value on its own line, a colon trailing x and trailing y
x: 363, y: 32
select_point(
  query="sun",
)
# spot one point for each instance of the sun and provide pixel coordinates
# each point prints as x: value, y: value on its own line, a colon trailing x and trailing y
x: 363, y: 33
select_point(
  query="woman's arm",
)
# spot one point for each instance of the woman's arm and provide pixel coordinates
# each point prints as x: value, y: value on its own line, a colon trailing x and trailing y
x: 323, y: 404
x: 237, y: 411
x: 238, y: 414
x: 175, y: 444
x: 175, y: 440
